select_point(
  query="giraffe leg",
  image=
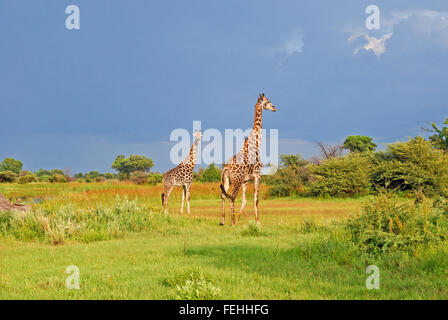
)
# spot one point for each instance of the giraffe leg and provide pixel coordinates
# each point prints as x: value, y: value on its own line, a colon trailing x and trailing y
x: 224, y: 188
x: 256, y: 190
x: 243, y: 201
x: 183, y: 198
x: 187, y: 194
x: 166, y: 196
x: 235, y: 190
x: 223, y: 218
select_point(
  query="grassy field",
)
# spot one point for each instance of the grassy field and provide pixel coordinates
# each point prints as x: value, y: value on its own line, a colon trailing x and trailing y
x: 297, y: 253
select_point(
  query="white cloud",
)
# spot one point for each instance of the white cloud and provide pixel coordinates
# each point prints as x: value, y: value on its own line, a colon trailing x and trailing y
x: 292, y: 45
x: 426, y: 24
x: 378, y: 46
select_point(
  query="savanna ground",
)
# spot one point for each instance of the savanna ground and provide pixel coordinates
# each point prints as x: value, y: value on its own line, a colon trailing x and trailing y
x: 126, y: 248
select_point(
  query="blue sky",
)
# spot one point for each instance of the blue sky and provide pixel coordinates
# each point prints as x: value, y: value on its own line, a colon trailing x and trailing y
x: 138, y: 69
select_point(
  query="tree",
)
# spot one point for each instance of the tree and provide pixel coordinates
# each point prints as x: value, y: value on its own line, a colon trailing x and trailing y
x: 329, y: 152
x: 139, y: 177
x: 359, y: 144
x: 93, y: 174
x: 412, y: 165
x: 8, y: 176
x: 342, y: 177
x: 10, y: 164
x: 440, y: 138
x: 290, y: 178
x: 125, y: 166
x: 211, y: 174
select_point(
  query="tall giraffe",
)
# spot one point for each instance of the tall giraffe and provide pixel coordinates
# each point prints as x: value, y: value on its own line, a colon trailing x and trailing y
x: 246, y: 165
x: 181, y: 176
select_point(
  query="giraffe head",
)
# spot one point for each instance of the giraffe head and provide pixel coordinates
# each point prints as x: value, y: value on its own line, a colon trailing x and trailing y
x: 264, y: 102
x: 197, y: 135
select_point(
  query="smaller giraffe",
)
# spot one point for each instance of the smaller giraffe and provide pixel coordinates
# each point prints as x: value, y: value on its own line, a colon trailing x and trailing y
x: 181, y: 176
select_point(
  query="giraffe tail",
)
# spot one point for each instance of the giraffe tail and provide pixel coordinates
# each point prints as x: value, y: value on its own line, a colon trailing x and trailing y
x: 224, y: 192
x: 163, y: 198
x: 225, y: 183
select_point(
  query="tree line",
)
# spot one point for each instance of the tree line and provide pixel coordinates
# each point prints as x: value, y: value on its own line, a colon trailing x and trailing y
x: 354, y: 168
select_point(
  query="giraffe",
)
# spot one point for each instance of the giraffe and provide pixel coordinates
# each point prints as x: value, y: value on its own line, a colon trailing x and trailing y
x: 181, y: 176
x: 246, y: 165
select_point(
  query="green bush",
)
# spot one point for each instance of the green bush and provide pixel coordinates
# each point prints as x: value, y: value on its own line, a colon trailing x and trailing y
x: 155, y: 178
x: 290, y: 178
x: 59, y: 178
x: 8, y: 177
x: 109, y: 176
x: 139, y: 177
x: 347, y: 176
x: 412, y: 165
x: 86, y: 225
x: 29, y: 178
x: 387, y: 224
x: 100, y: 179
x: 211, y: 174
x: 10, y: 164
x: 197, y: 287
x: 253, y: 229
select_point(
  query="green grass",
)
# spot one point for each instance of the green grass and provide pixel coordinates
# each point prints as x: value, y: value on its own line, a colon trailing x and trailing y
x: 298, y: 252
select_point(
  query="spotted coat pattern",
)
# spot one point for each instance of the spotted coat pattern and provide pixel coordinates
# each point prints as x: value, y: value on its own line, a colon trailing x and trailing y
x: 181, y: 176
x: 246, y: 165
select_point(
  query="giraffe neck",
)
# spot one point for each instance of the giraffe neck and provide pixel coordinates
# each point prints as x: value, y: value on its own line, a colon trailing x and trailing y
x: 193, y: 156
x: 258, y: 121
x: 258, y: 124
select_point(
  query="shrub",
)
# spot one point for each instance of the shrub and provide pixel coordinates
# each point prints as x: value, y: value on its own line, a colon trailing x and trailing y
x: 44, y: 178
x: 290, y: 178
x: 8, y: 177
x: 197, y: 287
x: 211, y: 174
x: 109, y: 176
x: 139, y: 177
x: 155, y: 178
x: 387, y: 224
x: 412, y: 165
x: 253, y: 229
x: 100, y: 179
x: 86, y: 225
x: 59, y: 178
x: 342, y: 177
x: 28, y: 178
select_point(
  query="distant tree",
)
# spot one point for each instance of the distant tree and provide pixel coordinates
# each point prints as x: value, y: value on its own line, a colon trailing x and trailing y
x: 359, y: 144
x: 346, y: 176
x: 94, y: 174
x: 412, y: 165
x: 8, y: 177
x: 291, y: 176
x: 211, y: 174
x: 10, y: 164
x: 25, y: 173
x: 41, y: 172
x: 440, y: 138
x: 198, y: 174
x: 28, y: 178
x: 329, y: 151
x: 125, y: 166
x: 109, y: 176
x: 155, y: 178
x: 139, y: 177
x: 79, y: 175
